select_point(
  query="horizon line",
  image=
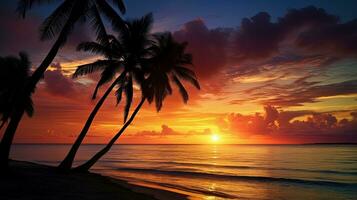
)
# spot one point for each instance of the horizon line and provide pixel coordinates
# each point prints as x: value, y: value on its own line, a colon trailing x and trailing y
x: 322, y: 143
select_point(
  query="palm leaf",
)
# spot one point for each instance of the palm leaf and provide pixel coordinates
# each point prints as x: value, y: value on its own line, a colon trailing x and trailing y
x: 120, y: 5
x: 121, y: 85
x: 25, y: 62
x: 116, y: 21
x: 119, y: 94
x: 3, y: 122
x: 129, y: 97
x: 187, y: 75
x: 29, y: 107
x: 92, y: 67
x: 98, y: 25
x: 25, y: 5
x: 106, y: 76
x: 54, y: 23
x: 182, y: 89
x: 95, y: 48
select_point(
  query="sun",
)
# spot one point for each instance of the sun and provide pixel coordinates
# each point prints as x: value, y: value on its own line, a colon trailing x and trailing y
x: 215, y: 138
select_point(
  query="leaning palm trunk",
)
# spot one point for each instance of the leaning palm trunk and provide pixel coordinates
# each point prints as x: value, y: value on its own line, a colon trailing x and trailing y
x: 17, y: 114
x: 86, y: 166
x: 66, y: 164
x: 8, y: 138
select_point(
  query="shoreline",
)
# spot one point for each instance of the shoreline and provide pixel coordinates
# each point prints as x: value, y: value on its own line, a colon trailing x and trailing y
x: 28, y: 180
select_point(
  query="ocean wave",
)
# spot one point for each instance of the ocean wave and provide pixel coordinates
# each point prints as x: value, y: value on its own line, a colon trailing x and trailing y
x: 188, y: 164
x: 194, y: 190
x: 267, y: 168
x: 204, y: 175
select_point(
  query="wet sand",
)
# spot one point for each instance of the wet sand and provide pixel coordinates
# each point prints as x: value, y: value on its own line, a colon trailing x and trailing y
x: 26, y: 180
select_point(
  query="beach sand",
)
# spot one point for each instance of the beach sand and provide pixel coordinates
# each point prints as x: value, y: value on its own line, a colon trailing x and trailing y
x: 26, y: 180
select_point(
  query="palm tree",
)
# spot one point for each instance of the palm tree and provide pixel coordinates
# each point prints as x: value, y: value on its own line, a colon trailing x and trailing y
x: 61, y: 22
x: 14, y: 73
x: 125, y: 54
x: 168, y: 62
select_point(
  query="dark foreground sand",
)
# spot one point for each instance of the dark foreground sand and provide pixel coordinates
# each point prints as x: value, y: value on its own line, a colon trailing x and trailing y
x: 25, y: 180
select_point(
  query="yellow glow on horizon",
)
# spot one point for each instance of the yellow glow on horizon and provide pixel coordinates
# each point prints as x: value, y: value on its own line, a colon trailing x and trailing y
x: 215, y: 138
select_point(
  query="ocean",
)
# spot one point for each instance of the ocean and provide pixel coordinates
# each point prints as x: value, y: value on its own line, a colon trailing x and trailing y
x: 222, y: 171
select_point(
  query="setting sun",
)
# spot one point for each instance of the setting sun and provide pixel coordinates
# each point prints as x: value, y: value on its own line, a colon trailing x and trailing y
x: 215, y: 138
x: 174, y: 100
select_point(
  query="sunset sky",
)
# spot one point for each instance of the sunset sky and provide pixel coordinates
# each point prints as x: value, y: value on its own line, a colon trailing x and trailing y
x: 270, y: 71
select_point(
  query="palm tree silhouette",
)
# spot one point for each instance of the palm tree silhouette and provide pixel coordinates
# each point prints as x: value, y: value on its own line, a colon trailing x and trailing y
x: 61, y: 22
x: 168, y: 62
x: 125, y: 55
x: 14, y: 73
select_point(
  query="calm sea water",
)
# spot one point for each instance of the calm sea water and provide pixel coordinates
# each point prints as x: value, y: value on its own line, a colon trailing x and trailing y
x: 223, y: 171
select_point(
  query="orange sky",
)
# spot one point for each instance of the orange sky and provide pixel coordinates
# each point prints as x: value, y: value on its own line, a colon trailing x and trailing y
x: 263, y: 82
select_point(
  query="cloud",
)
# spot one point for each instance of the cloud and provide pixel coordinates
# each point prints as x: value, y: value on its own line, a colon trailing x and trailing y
x: 166, y: 131
x: 285, y: 117
x: 310, y: 93
x: 207, y: 46
x: 332, y: 39
x: 300, y: 33
x: 274, y: 123
x: 256, y: 124
x: 307, y: 39
x: 257, y: 37
x: 59, y: 85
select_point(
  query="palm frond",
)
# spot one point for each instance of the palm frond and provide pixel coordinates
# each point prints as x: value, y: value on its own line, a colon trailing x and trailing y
x: 121, y: 86
x: 98, y: 25
x: 186, y: 59
x: 120, y: 4
x: 115, y: 19
x: 187, y: 75
x: 29, y: 107
x: 24, y: 5
x: 25, y: 62
x: 106, y: 76
x: 14, y: 74
x: 95, y: 48
x: 91, y: 67
x: 182, y: 89
x: 185, y: 71
x: 54, y: 23
x: 129, y: 97
x: 119, y: 93
x: 162, y: 88
x: 2, y: 123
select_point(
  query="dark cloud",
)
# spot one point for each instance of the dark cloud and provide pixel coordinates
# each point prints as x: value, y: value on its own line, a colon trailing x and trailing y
x: 207, y: 46
x: 259, y: 37
x: 308, y: 17
x: 299, y: 34
x: 307, y: 39
x: 256, y: 38
x: 310, y: 93
x: 58, y: 84
x: 333, y: 39
x: 295, y: 93
x: 284, y: 117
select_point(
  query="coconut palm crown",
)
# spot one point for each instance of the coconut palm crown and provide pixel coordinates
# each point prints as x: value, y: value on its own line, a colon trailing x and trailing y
x: 14, y: 73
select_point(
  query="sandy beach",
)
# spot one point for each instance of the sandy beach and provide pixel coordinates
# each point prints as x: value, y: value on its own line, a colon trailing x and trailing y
x: 26, y: 180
